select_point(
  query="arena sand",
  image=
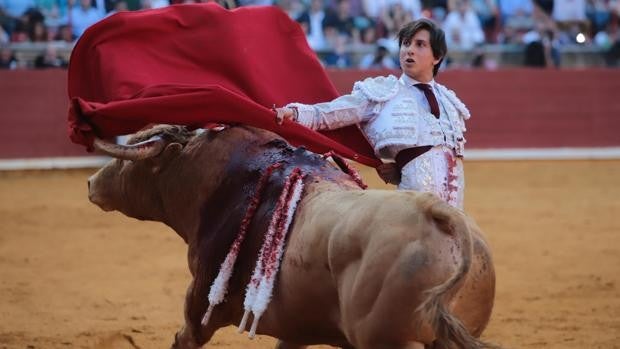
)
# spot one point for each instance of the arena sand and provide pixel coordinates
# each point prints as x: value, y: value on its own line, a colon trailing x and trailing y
x: 72, y: 276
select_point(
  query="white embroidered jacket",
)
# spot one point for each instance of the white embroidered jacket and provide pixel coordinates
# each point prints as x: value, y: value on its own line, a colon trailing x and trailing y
x: 392, y: 115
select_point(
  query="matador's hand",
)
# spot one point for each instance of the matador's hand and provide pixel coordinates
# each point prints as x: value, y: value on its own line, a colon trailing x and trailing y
x: 285, y: 113
x: 389, y: 173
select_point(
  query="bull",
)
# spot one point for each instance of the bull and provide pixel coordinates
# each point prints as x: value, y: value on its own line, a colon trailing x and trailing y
x: 366, y: 269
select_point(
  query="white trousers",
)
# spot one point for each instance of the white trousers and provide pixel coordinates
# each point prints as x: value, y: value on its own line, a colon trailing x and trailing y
x: 438, y: 171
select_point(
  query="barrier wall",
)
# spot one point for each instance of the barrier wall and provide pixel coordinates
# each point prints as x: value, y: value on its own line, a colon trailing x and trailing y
x: 516, y: 108
x: 33, y: 113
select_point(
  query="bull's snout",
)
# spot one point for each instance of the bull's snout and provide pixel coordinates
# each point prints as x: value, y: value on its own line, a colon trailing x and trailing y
x: 90, y: 191
x: 94, y: 195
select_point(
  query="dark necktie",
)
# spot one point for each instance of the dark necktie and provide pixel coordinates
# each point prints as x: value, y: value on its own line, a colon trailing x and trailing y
x: 430, y: 97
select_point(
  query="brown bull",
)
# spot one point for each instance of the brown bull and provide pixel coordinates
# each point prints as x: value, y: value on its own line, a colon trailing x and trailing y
x: 366, y: 269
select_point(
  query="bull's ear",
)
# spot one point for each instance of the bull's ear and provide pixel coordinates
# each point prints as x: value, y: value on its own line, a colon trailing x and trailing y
x: 171, y: 151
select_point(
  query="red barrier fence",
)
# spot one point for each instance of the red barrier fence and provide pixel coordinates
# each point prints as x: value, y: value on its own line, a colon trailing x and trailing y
x: 516, y: 108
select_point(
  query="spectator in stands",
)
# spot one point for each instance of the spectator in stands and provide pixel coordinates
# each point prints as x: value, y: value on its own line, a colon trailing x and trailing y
x: 38, y: 32
x: 376, y: 8
x: 368, y: 35
x: 599, y: 14
x: 341, y: 19
x: 509, y: 8
x: 294, y: 8
x: 570, y: 17
x: 312, y: 23
x: 414, y: 7
x: 22, y: 25
x: 435, y: 9
x: 356, y: 7
x: 7, y: 57
x: 540, y: 48
x: 11, y: 12
x: 65, y: 34
x: 462, y: 27
x: 545, y: 5
x: 59, y: 14
x: 83, y: 16
x: 517, y: 18
x: 392, y: 19
x: 4, y: 36
x: 569, y: 10
x: 481, y: 61
x: 612, y: 56
x: 380, y: 59
x: 16, y: 8
x: 119, y: 6
x: 488, y: 14
x: 612, y: 51
x: 338, y: 56
x: 412, y: 120
x: 50, y: 59
x: 50, y: 9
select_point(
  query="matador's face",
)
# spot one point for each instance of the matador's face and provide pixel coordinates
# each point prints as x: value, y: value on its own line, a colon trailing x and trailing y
x: 416, y: 56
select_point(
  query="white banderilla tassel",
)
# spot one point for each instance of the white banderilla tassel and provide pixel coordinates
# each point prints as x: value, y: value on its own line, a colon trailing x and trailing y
x: 219, y: 288
x: 265, y: 252
x: 252, y: 288
x: 265, y: 289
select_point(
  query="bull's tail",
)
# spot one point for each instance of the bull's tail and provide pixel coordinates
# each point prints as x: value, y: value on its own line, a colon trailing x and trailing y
x: 449, y: 330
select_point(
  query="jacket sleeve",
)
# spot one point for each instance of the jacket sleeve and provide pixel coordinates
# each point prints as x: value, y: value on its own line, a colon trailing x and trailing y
x: 343, y: 111
x: 364, y: 102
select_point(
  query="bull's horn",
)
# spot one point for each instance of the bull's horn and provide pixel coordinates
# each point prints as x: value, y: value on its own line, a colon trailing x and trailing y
x: 139, y: 151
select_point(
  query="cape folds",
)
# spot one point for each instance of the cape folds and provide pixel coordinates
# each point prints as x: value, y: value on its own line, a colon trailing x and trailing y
x: 196, y: 65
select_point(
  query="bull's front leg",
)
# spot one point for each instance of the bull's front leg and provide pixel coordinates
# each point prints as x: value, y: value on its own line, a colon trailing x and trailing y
x: 286, y: 345
x: 193, y: 335
x: 185, y: 339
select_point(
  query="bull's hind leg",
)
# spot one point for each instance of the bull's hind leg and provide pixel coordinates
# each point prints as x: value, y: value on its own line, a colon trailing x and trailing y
x: 381, y: 315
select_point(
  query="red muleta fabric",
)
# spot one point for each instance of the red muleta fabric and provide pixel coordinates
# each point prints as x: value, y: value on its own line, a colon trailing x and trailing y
x: 196, y: 65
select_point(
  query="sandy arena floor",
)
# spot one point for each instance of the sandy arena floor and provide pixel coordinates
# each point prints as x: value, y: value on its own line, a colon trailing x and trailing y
x: 72, y: 276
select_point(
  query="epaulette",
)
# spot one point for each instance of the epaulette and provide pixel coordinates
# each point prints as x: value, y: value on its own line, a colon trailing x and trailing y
x: 378, y: 89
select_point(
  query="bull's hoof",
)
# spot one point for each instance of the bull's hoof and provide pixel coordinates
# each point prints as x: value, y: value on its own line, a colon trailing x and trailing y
x: 284, y: 345
x: 175, y: 345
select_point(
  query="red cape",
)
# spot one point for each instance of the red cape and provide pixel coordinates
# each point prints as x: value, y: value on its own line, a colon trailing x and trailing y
x: 196, y: 65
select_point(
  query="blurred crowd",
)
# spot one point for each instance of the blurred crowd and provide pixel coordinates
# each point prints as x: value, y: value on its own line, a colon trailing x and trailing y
x: 354, y: 33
